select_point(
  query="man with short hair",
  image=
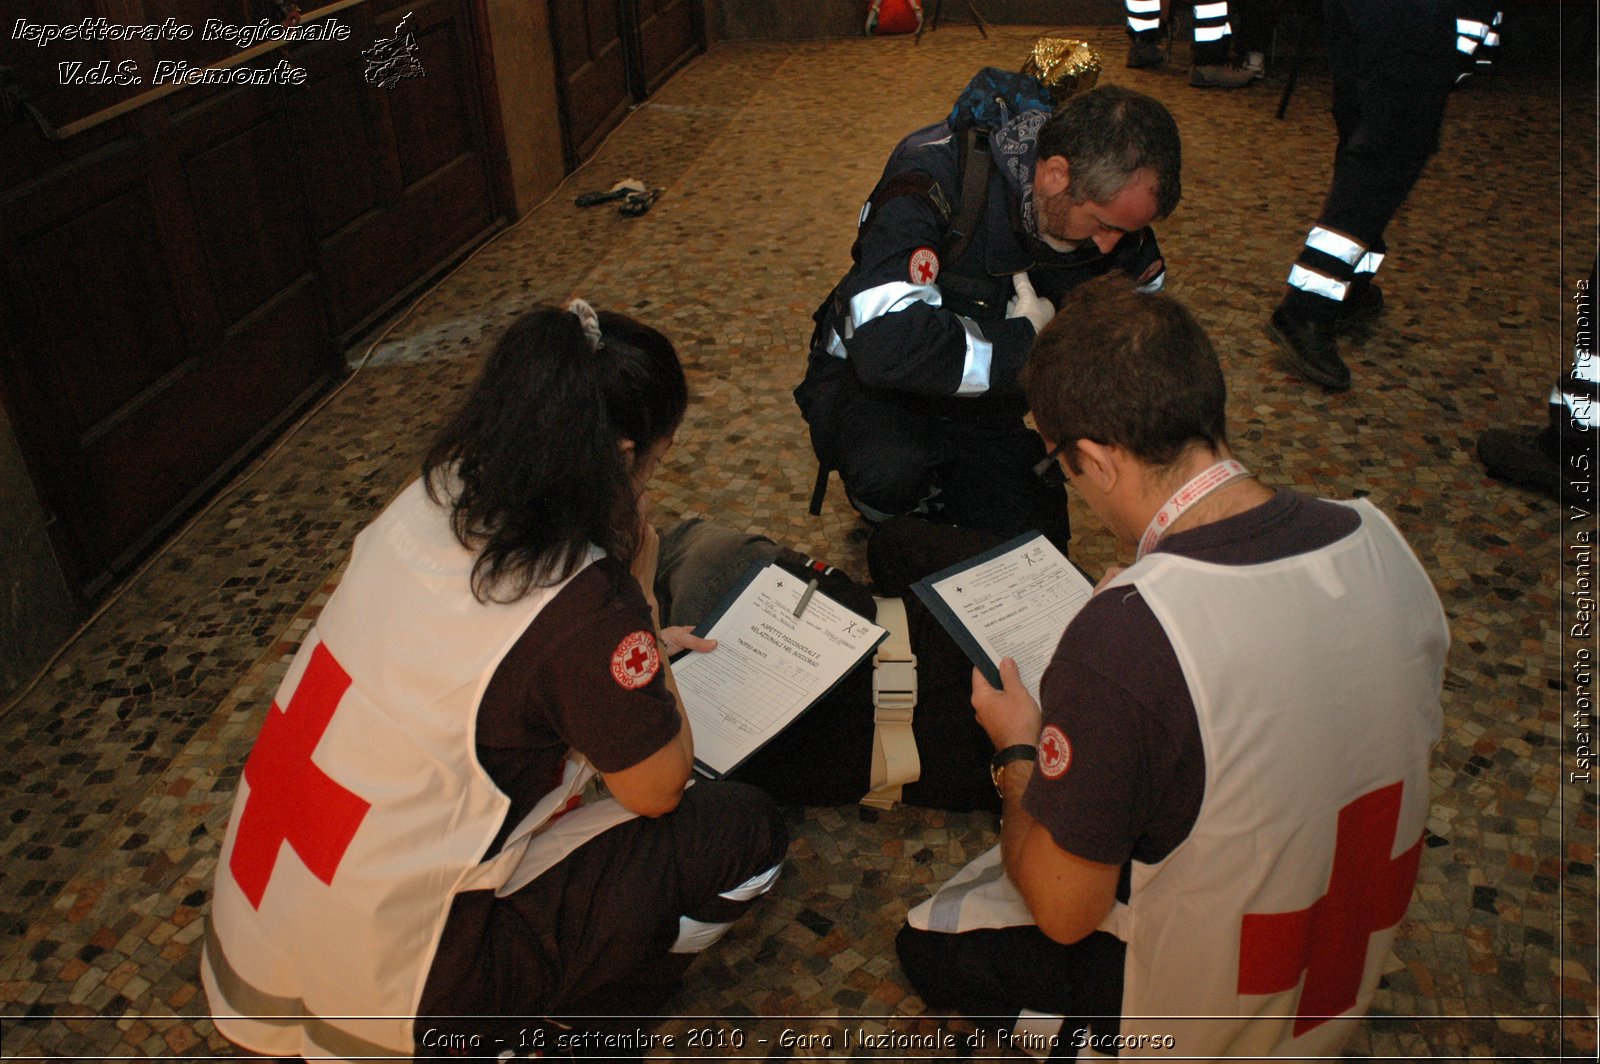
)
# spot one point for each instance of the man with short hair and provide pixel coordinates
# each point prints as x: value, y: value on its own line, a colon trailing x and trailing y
x: 911, y: 390
x: 1218, y: 812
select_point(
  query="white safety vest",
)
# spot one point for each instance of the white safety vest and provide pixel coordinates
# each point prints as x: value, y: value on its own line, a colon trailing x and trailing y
x: 363, y: 810
x: 1316, y: 682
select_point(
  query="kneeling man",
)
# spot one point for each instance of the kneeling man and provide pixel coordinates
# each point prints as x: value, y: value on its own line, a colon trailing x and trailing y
x: 1212, y: 826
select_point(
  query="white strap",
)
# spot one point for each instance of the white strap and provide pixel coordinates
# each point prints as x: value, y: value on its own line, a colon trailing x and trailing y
x: 894, y: 699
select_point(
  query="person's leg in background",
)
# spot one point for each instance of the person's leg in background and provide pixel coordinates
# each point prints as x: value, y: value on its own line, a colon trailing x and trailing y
x: 1391, y: 67
x: 1253, y: 24
x: 1209, y: 67
x: 1559, y: 458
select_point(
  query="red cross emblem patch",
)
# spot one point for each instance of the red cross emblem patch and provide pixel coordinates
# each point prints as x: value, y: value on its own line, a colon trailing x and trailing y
x: 291, y: 799
x: 1055, y: 752
x: 1368, y: 891
x: 635, y: 661
x: 924, y: 266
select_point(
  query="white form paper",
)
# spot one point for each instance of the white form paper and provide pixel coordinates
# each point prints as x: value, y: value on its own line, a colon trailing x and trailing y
x: 769, y: 666
x: 1017, y: 603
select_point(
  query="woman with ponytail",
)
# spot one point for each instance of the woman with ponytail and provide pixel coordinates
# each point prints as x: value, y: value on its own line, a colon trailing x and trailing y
x: 419, y: 860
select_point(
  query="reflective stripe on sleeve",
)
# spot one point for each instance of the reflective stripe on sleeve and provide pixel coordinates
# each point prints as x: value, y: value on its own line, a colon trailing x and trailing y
x: 1317, y: 284
x: 888, y: 298
x: 980, y: 358
x: 1338, y: 245
x: 875, y: 303
x: 897, y: 295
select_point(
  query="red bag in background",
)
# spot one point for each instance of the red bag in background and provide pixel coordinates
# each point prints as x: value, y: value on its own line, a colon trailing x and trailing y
x: 893, y: 16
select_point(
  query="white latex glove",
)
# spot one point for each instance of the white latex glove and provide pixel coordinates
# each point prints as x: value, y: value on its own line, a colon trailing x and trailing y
x: 1027, y: 304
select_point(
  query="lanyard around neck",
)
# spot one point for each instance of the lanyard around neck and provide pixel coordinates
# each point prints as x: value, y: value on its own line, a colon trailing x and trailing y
x: 1196, y: 489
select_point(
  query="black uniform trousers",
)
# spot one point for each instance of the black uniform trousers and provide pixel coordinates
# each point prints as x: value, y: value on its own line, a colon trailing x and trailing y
x: 589, y: 942
x: 896, y: 457
x: 1393, y: 63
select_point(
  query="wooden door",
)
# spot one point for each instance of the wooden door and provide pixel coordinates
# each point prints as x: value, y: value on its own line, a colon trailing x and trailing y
x: 612, y: 54
x: 669, y: 35
x: 179, y: 280
x: 592, y: 64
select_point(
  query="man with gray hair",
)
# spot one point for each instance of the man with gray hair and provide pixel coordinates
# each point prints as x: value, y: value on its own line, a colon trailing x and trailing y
x: 963, y: 249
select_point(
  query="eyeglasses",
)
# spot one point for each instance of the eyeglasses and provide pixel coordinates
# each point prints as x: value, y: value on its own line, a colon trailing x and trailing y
x: 1049, y: 471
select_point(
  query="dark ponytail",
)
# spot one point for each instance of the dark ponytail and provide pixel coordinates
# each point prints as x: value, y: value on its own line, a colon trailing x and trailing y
x: 530, y: 465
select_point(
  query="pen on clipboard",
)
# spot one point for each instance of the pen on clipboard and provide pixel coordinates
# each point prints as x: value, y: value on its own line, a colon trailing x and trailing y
x: 805, y: 597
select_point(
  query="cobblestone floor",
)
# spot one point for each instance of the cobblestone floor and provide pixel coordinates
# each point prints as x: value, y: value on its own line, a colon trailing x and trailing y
x: 121, y: 764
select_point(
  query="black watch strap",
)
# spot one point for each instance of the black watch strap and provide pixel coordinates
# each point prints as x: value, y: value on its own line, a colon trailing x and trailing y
x: 1002, y: 758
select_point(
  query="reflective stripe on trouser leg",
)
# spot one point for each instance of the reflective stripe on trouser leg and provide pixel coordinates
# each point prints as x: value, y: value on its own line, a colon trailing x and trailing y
x: 695, y: 935
x: 1211, y: 21
x: 1328, y: 263
x: 1143, y: 15
x: 1580, y: 409
x: 1317, y: 284
x: 1335, y: 244
x: 1367, y: 265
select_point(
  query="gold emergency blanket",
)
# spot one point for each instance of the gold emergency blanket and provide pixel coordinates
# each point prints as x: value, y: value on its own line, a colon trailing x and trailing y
x: 1064, y: 66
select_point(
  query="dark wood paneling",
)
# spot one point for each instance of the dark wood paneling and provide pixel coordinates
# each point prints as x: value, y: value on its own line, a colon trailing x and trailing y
x: 147, y: 466
x: 359, y: 261
x: 93, y: 308
x: 592, y: 64
x: 246, y: 205
x: 180, y: 280
x: 432, y: 115
x: 36, y: 68
x: 612, y: 54
x: 670, y: 35
x: 337, y: 148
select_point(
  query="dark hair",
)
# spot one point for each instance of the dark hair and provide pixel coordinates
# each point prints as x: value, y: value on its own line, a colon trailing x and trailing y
x: 1118, y: 366
x: 1107, y: 135
x: 530, y: 465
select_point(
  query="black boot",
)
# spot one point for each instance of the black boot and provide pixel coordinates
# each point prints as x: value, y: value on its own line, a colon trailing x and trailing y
x: 1363, y: 303
x: 1525, y: 457
x: 1311, y: 349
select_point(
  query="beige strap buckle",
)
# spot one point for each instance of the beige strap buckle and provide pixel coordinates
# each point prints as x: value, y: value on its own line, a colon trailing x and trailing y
x: 894, y: 699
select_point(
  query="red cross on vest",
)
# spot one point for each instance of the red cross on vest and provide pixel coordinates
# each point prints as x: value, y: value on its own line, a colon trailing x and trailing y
x: 291, y: 799
x: 1367, y: 892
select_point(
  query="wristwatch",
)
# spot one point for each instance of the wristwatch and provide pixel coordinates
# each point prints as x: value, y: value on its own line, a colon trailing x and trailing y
x: 1002, y: 758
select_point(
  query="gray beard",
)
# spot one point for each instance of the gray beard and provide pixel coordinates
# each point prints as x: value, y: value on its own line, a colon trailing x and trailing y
x: 1037, y: 229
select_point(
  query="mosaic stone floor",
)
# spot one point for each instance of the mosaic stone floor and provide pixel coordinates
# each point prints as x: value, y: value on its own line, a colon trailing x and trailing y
x: 121, y: 763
